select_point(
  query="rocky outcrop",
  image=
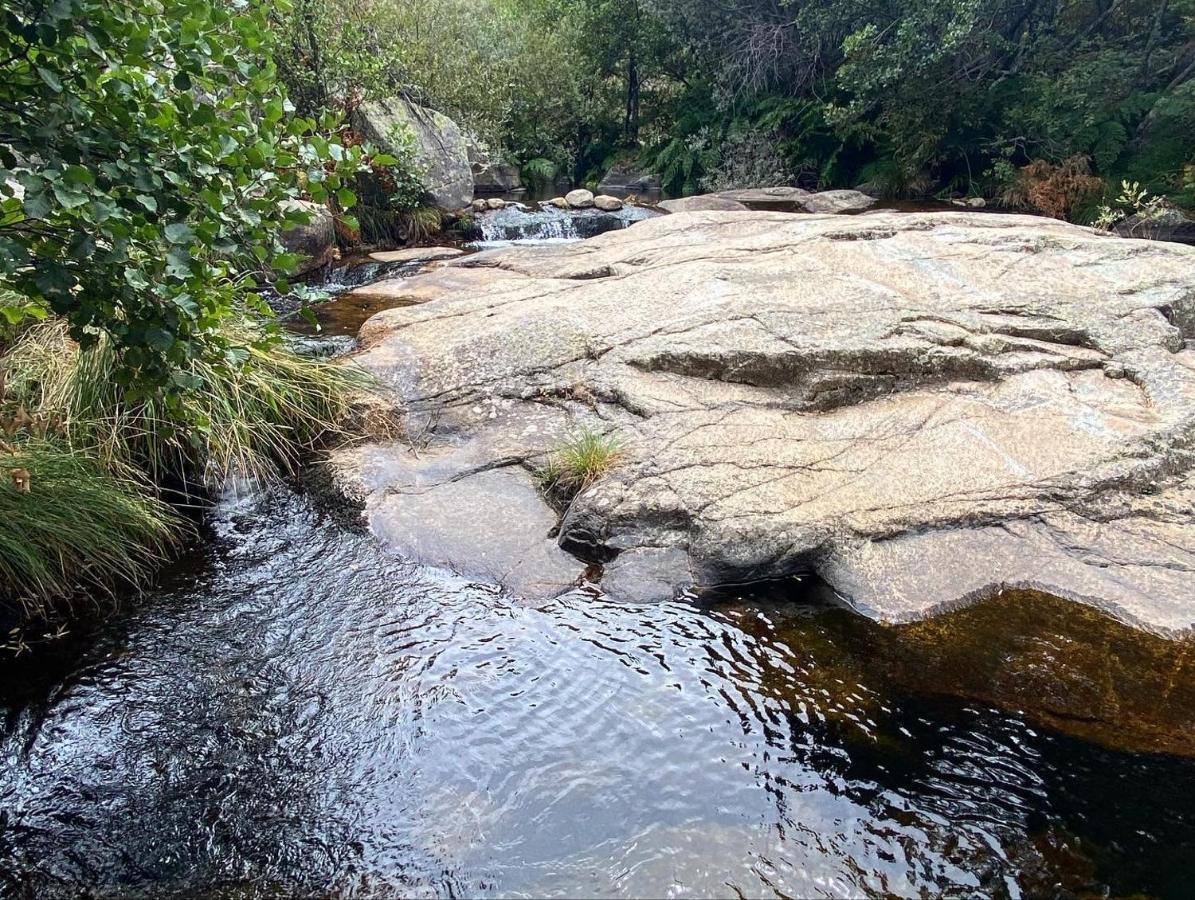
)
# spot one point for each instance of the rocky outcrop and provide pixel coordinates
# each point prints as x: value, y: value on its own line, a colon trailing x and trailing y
x: 1167, y: 224
x: 791, y: 199
x: 919, y: 408
x: 315, y: 242
x: 490, y: 174
x: 703, y: 203
x: 837, y: 202
x: 441, y: 151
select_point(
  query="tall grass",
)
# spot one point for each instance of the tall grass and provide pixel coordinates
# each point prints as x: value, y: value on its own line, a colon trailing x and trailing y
x: 78, y: 523
x: 101, y: 462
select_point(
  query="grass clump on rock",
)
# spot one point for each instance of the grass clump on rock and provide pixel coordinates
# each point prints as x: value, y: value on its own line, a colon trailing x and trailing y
x: 583, y: 457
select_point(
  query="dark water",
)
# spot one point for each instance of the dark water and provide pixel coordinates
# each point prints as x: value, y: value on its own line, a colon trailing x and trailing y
x: 292, y: 712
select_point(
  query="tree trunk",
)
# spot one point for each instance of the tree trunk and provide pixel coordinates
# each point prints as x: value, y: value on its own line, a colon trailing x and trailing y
x: 632, y: 115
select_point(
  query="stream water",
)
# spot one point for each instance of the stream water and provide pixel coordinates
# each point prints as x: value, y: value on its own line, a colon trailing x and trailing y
x: 291, y: 711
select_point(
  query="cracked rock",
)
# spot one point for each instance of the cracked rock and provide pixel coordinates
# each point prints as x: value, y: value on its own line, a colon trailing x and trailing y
x: 917, y: 407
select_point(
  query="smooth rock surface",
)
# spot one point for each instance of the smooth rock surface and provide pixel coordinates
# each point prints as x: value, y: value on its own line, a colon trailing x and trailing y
x: 607, y: 203
x: 919, y: 408
x: 411, y: 254
x: 702, y: 203
x: 837, y: 202
x: 579, y: 199
x: 440, y: 147
x: 784, y: 197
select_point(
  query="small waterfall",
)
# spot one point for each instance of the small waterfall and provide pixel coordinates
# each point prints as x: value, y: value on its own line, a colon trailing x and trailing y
x: 518, y: 224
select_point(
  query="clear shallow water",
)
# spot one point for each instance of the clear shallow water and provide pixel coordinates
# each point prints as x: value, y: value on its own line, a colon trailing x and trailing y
x: 294, y: 712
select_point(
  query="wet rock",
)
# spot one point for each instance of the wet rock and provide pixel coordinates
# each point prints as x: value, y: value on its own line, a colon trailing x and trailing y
x: 703, y: 203
x: 440, y: 148
x: 628, y: 181
x: 647, y: 575
x: 471, y: 507
x: 579, y: 199
x: 914, y: 406
x: 414, y: 254
x: 607, y: 204
x: 558, y: 202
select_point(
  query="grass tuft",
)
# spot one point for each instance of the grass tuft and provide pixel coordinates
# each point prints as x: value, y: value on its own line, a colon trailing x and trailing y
x: 74, y: 522
x: 583, y: 458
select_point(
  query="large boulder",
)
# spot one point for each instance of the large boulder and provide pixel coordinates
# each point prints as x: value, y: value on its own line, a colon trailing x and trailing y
x: 441, y: 151
x: 919, y: 408
x: 315, y: 242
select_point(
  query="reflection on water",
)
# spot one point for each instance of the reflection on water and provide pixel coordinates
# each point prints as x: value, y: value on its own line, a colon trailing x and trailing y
x: 293, y: 712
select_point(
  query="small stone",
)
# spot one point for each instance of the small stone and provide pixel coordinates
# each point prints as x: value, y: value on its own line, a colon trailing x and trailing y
x: 606, y: 203
x: 558, y: 202
x: 579, y: 199
x: 1114, y: 370
x: 479, y: 206
x: 496, y: 203
x: 977, y: 203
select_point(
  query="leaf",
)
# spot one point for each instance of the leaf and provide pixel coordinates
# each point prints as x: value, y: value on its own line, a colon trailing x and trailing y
x: 148, y: 202
x: 51, y: 80
x: 346, y: 198
x: 179, y: 233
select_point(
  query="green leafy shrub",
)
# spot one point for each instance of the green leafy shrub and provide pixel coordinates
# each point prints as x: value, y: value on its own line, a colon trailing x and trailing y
x: 146, y: 151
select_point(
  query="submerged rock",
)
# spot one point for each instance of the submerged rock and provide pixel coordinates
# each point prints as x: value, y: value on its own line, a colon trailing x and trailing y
x: 628, y: 180
x: 917, y: 407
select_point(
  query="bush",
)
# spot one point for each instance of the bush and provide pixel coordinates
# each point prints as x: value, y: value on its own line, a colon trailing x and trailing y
x: 146, y: 152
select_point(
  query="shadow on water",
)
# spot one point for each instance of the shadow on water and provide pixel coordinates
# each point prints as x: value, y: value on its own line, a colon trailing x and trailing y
x: 294, y: 712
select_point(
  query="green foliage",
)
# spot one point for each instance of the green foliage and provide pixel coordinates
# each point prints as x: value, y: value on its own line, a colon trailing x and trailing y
x: 583, y: 458
x: 145, y: 154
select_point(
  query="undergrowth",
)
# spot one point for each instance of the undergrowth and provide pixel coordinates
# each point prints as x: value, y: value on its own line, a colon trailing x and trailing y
x: 85, y: 472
